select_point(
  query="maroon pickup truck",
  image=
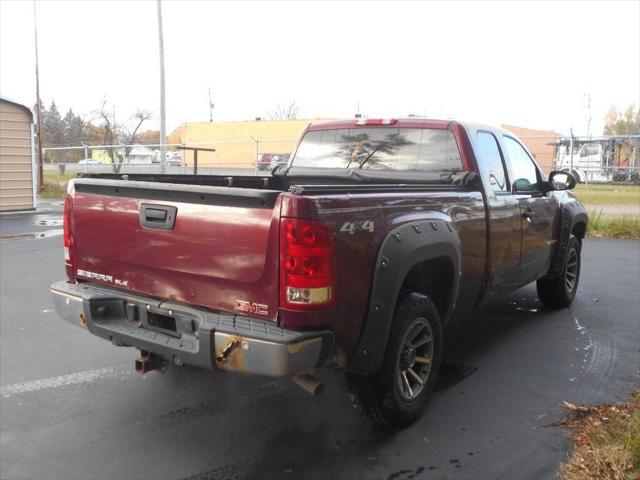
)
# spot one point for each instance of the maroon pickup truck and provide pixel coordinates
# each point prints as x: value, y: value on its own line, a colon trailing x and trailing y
x: 352, y: 256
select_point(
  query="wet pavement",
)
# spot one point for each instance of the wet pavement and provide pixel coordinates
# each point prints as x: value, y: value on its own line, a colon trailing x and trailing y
x: 45, y: 221
x: 72, y: 407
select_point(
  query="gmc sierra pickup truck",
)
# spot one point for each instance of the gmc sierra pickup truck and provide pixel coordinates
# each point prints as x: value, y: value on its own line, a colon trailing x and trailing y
x: 353, y: 256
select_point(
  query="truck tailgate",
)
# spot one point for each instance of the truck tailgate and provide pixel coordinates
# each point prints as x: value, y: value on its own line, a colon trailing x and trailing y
x: 216, y: 247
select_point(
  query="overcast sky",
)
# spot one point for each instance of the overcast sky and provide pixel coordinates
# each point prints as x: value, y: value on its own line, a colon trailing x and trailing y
x: 529, y: 64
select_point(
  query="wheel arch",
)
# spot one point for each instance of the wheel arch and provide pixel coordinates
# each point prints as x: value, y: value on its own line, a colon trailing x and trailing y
x: 573, y: 221
x: 423, y: 255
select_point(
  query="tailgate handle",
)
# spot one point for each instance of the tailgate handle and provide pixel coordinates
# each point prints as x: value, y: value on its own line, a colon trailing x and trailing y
x: 160, y: 217
x: 155, y: 214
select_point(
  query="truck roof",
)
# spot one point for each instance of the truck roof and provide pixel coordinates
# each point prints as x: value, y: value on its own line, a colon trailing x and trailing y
x: 411, y: 122
x: 408, y: 122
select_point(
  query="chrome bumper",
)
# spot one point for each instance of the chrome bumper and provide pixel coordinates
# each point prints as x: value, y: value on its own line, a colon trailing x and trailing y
x: 201, y: 338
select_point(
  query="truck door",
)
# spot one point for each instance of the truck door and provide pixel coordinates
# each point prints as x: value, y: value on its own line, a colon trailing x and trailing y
x: 537, y: 211
x: 504, y: 218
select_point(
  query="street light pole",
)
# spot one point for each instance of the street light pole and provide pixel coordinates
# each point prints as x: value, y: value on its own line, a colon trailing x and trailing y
x: 210, y: 108
x: 38, y: 104
x: 163, y: 125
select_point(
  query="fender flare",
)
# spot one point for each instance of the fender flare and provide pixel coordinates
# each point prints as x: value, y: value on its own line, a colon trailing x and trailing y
x: 571, y: 213
x: 403, y: 248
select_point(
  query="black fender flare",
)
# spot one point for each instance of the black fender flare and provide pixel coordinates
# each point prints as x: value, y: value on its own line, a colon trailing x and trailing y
x: 571, y: 213
x: 404, y: 247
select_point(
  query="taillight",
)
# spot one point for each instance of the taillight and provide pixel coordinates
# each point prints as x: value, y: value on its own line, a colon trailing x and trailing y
x: 68, y: 203
x: 307, y: 252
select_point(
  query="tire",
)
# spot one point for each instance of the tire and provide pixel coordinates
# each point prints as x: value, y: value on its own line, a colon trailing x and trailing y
x: 393, y: 396
x: 560, y: 291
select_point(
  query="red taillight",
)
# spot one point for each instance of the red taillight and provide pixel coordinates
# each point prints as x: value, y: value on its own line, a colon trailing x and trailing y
x: 307, y: 254
x: 68, y: 204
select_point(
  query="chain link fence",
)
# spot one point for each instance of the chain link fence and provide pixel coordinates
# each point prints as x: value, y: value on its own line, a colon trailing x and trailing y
x: 254, y: 156
x: 591, y: 159
x: 602, y: 159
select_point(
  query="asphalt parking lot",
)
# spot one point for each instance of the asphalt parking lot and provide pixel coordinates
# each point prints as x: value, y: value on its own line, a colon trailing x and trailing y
x: 72, y: 406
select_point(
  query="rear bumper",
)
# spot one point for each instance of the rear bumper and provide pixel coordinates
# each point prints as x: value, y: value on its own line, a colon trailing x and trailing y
x: 195, y: 337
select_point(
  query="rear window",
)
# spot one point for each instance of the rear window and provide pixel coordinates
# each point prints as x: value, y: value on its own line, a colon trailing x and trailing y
x: 399, y: 149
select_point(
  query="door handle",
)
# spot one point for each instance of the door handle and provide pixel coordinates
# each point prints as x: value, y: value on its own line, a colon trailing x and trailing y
x: 527, y: 214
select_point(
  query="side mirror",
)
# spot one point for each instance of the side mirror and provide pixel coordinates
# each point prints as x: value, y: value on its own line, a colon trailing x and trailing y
x: 561, y: 180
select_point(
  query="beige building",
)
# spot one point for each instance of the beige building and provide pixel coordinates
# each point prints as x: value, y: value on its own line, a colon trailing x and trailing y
x: 238, y: 144
x: 17, y: 157
x: 538, y: 143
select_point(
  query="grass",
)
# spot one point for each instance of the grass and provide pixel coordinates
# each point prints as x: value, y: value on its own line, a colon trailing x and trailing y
x: 55, y: 185
x: 53, y: 190
x: 607, y: 441
x: 603, y: 225
x: 608, y: 194
x: 55, y: 177
x: 616, y: 227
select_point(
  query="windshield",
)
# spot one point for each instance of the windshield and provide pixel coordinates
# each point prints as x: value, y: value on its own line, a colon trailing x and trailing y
x: 399, y: 149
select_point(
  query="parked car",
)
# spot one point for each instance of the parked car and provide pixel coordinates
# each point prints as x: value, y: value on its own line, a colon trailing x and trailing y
x: 174, y: 159
x: 89, y: 161
x: 279, y: 159
x: 354, y: 258
x: 264, y: 161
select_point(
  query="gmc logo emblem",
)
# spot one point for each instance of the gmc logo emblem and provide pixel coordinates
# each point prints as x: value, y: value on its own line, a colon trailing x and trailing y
x: 246, y: 307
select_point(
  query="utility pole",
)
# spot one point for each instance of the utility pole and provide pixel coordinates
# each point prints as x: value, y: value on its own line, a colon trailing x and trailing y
x: 571, y: 151
x: 588, y: 95
x: 38, y: 104
x: 210, y: 108
x: 163, y: 124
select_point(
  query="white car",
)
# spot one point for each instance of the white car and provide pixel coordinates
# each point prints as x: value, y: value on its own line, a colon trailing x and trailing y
x: 88, y: 161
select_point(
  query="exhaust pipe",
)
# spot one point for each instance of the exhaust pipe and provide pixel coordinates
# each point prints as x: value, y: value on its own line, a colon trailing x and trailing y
x: 149, y: 362
x: 309, y: 384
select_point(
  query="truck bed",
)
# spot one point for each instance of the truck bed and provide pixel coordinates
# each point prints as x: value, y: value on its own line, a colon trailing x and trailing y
x: 220, y: 249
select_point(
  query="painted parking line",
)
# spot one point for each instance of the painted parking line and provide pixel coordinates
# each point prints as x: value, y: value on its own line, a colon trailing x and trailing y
x: 86, y: 376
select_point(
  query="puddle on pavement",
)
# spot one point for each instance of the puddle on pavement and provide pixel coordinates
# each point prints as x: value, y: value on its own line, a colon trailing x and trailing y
x: 52, y: 222
x: 47, y: 220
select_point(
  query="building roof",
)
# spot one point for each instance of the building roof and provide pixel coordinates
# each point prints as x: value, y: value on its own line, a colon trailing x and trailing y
x: 18, y: 104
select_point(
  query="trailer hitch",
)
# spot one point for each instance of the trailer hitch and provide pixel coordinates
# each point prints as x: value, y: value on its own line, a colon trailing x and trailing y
x: 149, y: 361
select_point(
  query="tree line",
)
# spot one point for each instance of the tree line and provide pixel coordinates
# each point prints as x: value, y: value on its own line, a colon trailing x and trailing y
x: 72, y: 130
x: 622, y: 123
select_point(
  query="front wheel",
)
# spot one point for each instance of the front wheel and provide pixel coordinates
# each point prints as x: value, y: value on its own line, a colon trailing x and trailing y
x: 560, y: 291
x: 397, y: 393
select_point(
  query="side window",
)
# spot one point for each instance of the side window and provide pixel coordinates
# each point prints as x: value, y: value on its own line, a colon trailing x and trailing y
x: 489, y: 156
x: 523, y: 170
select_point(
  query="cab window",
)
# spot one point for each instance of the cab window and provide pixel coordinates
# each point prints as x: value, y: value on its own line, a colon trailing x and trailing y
x: 489, y: 156
x: 523, y: 171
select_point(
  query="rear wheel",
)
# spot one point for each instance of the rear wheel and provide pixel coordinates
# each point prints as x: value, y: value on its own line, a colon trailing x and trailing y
x: 560, y: 291
x: 397, y: 393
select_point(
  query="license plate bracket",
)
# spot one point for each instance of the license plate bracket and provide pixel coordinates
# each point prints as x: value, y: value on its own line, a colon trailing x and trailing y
x: 162, y: 323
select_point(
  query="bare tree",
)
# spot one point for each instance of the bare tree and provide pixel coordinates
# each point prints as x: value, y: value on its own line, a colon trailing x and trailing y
x: 115, y: 134
x: 129, y: 135
x: 285, y: 112
x: 108, y: 127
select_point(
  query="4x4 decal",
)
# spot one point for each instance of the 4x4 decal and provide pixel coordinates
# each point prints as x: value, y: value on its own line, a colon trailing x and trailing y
x: 360, y: 226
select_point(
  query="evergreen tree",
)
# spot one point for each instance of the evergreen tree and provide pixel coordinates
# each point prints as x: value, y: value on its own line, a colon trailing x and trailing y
x: 52, y: 132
